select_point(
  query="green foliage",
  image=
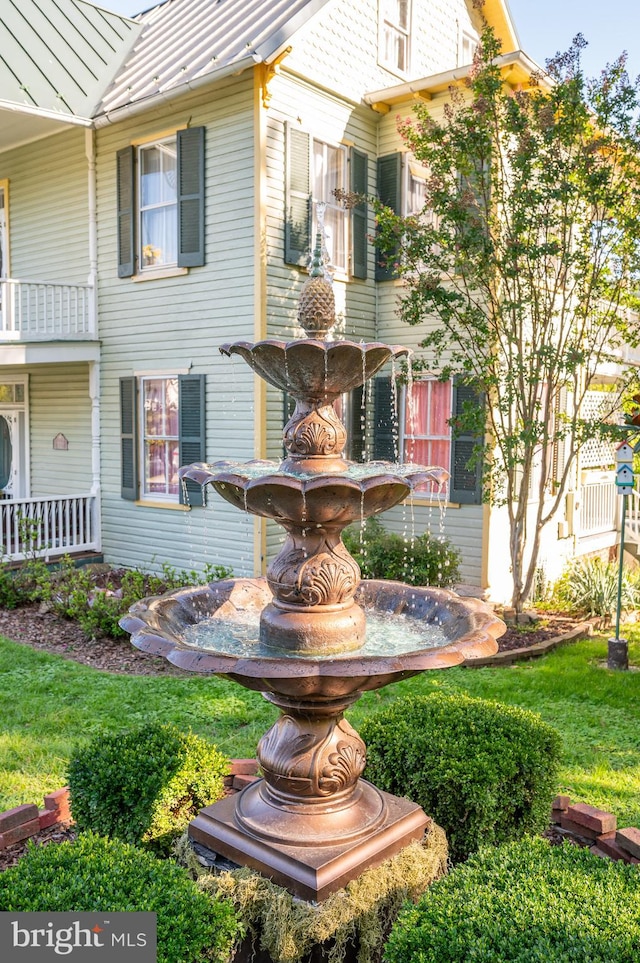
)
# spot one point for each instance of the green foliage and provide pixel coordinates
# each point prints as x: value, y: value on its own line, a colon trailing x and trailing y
x: 590, y: 587
x: 95, y: 874
x: 423, y: 560
x: 526, y: 902
x: 96, y: 601
x: 518, y: 268
x: 145, y: 785
x: 485, y: 772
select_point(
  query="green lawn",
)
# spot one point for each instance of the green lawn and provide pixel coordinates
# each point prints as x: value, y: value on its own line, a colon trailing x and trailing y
x: 48, y: 704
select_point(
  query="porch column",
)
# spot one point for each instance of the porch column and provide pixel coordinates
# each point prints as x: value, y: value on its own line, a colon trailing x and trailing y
x: 94, y: 394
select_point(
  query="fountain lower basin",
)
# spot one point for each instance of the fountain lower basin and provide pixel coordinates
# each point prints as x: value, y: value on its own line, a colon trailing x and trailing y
x: 312, y: 823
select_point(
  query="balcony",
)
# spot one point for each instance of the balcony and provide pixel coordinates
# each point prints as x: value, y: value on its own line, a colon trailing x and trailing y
x: 46, y: 311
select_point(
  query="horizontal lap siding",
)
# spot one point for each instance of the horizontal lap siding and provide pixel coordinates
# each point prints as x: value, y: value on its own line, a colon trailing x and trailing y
x: 59, y: 403
x: 461, y: 526
x: 177, y: 324
x: 48, y: 208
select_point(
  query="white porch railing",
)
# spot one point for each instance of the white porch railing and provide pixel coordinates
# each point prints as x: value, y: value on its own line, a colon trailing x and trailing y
x: 598, y: 512
x: 632, y: 521
x: 47, y: 527
x: 46, y: 310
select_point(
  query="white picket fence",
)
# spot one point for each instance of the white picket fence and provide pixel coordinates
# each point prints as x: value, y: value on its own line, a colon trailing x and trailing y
x: 48, y: 527
x: 44, y: 310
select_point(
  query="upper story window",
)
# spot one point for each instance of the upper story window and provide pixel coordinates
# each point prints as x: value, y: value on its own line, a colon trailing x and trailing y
x: 468, y: 46
x: 158, y: 209
x: 330, y: 174
x: 161, y: 204
x: 314, y: 169
x: 395, y: 28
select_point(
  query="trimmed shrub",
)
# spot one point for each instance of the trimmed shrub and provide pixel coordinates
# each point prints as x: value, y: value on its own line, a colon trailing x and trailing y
x: 96, y: 874
x: 521, y: 903
x: 485, y: 772
x: 424, y: 560
x: 145, y: 785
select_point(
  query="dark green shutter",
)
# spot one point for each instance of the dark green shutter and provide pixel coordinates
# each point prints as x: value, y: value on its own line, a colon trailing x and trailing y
x: 125, y: 167
x: 355, y: 427
x: 384, y: 423
x: 192, y: 441
x: 359, y: 183
x: 128, y: 439
x: 191, y: 197
x: 390, y: 194
x: 465, y: 485
x: 297, y: 221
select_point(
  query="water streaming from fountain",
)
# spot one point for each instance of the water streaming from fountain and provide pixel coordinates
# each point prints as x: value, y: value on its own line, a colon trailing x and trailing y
x: 312, y: 637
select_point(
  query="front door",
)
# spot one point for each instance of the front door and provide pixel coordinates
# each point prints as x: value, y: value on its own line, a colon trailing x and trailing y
x: 11, y: 476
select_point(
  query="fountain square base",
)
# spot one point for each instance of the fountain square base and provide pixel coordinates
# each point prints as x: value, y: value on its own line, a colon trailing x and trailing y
x: 311, y: 872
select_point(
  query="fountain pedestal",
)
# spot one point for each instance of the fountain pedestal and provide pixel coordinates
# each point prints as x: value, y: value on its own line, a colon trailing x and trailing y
x: 308, y: 869
x: 311, y: 824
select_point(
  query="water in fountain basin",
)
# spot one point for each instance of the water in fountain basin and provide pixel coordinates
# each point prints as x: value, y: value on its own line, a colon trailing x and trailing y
x: 388, y: 634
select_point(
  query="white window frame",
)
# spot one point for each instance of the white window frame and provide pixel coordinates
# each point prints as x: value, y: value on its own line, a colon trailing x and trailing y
x: 333, y: 206
x: 467, y: 47
x: 394, y: 38
x: 148, y: 261
x: 404, y: 436
x: 145, y: 493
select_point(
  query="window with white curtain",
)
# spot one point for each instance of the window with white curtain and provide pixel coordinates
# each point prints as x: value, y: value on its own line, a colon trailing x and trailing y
x: 158, y: 207
x: 160, y: 437
x: 329, y: 173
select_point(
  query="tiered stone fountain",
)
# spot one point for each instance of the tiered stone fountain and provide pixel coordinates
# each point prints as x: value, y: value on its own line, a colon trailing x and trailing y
x: 312, y: 637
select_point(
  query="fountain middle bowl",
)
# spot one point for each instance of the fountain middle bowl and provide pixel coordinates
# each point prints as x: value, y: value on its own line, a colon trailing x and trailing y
x: 228, y: 611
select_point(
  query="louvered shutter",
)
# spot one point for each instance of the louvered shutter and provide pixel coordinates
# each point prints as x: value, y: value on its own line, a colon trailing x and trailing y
x: 390, y: 194
x: 190, y: 197
x: 125, y: 168
x: 465, y: 485
x: 128, y: 439
x: 297, y: 222
x: 384, y: 423
x: 359, y: 183
x: 192, y: 441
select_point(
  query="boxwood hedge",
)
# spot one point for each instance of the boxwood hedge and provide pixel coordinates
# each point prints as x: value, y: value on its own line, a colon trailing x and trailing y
x: 95, y: 874
x: 525, y: 902
x: 143, y: 786
x: 485, y: 772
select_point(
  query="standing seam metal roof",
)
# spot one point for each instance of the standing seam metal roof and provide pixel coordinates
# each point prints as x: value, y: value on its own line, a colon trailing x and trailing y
x: 183, y: 41
x: 60, y: 55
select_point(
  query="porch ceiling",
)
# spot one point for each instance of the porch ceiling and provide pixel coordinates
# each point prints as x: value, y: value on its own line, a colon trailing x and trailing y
x: 20, y: 127
x: 49, y: 352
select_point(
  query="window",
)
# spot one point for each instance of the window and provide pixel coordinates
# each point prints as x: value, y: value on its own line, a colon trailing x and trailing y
x: 160, y: 200
x: 329, y: 173
x: 468, y: 47
x: 162, y: 427
x: 426, y: 434
x: 314, y: 170
x: 158, y: 209
x: 159, y: 431
x: 395, y: 28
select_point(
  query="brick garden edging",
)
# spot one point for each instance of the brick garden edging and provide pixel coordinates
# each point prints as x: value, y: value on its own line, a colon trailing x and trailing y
x: 579, y: 822
x: 27, y: 820
x: 583, y: 630
x: 595, y: 828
